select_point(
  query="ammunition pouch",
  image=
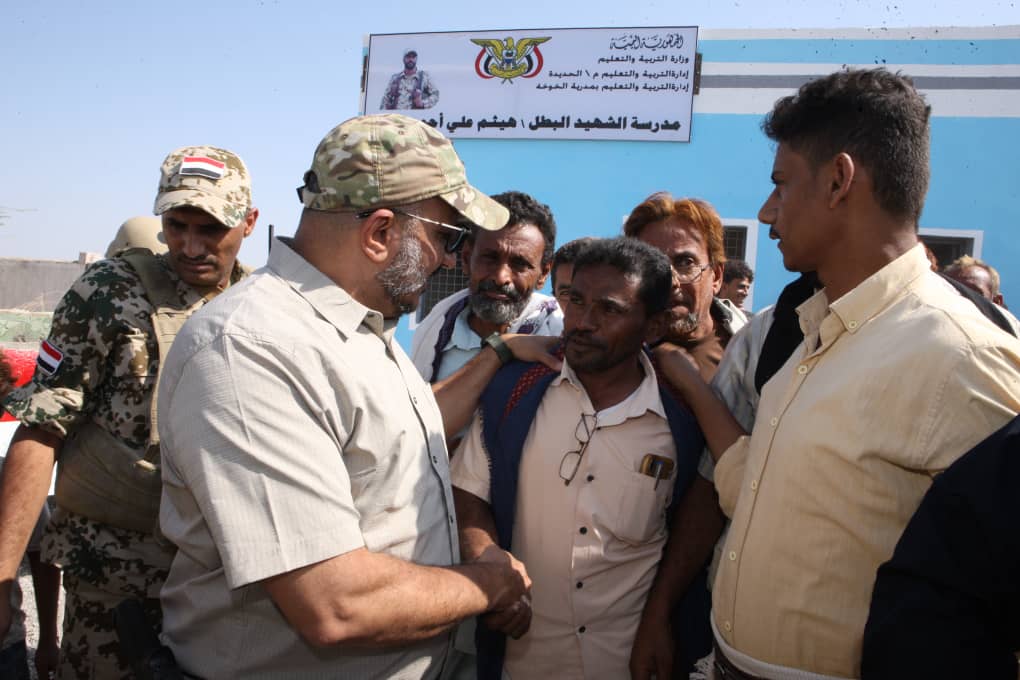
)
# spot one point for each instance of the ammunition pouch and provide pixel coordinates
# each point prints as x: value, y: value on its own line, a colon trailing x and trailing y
x: 104, y: 479
x: 101, y: 477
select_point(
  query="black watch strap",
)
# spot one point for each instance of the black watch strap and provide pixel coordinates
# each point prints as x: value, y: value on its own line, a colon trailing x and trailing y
x: 495, y: 341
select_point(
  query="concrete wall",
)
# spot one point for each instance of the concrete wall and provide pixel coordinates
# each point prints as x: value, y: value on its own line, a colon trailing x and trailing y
x: 38, y: 285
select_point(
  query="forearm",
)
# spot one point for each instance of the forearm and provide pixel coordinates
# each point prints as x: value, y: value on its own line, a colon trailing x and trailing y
x: 23, y: 490
x: 458, y: 393
x: 370, y: 599
x: 697, y: 523
x: 46, y: 581
x: 474, y: 520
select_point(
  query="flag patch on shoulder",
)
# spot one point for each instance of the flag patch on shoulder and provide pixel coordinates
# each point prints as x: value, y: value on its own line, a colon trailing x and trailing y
x: 49, y: 358
x: 202, y: 166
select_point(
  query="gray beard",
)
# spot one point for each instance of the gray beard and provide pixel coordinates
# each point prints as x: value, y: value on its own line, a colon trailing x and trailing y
x: 681, y: 327
x: 497, y: 311
x: 405, y: 275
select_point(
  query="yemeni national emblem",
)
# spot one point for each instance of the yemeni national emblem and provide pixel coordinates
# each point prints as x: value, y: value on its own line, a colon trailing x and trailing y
x: 506, y: 59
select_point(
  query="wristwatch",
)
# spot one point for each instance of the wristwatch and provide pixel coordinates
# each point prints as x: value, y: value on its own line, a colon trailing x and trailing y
x: 495, y: 341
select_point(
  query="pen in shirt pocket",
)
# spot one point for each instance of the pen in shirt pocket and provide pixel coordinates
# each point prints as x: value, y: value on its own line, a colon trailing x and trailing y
x: 656, y: 467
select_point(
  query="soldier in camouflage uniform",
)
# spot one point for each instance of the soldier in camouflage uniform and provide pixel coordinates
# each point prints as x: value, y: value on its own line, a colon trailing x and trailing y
x: 89, y: 405
x: 411, y: 88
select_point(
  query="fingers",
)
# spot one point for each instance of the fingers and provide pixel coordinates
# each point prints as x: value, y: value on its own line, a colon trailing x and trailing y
x: 551, y: 361
x: 532, y: 347
x: 514, y: 620
x: 519, y: 567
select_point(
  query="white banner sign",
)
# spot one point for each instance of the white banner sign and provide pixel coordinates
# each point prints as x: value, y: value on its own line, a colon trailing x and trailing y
x: 593, y: 83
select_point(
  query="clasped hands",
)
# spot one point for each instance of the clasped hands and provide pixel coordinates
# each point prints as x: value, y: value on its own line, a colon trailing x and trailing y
x: 511, y: 610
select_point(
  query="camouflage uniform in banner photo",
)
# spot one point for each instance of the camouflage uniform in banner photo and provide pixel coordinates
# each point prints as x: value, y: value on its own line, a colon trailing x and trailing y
x: 98, y: 367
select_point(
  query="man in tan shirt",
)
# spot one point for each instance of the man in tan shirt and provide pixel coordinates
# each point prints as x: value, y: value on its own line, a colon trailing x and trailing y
x: 306, y: 479
x: 897, y: 377
x: 690, y: 233
x: 575, y: 471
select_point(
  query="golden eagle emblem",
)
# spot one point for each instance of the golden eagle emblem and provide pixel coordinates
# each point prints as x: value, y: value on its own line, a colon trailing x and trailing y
x: 507, y: 59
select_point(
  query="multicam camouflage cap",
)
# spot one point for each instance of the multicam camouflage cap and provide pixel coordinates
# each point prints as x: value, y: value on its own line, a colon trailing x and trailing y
x: 138, y: 232
x: 205, y: 177
x: 390, y: 160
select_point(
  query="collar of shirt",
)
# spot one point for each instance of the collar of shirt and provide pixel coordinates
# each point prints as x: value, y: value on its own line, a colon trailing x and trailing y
x: 645, y: 398
x: 822, y: 321
x: 324, y: 295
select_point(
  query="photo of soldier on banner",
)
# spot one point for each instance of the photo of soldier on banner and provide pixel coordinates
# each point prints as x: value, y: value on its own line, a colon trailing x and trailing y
x: 598, y: 83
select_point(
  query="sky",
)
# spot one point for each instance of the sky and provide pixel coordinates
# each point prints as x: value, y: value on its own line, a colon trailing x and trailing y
x: 95, y: 94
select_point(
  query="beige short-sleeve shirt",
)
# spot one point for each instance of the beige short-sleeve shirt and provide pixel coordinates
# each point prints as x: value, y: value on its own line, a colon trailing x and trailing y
x: 893, y: 382
x: 591, y: 548
x: 293, y: 429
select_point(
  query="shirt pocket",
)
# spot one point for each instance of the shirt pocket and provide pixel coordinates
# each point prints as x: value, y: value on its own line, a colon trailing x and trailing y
x: 132, y: 357
x: 639, y: 507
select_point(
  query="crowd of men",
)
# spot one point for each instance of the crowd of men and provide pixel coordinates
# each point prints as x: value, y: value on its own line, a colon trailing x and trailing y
x: 612, y: 481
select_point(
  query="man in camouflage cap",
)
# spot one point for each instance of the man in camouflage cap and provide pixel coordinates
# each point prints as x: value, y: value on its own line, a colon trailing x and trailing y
x: 306, y: 478
x: 89, y: 408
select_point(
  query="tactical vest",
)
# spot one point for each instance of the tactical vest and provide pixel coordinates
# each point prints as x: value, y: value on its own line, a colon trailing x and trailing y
x: 101, y: 477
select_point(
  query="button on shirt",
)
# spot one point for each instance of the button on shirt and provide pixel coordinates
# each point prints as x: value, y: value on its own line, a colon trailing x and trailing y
x: 893, y: 382
x: 294, y: 429
x: 591, y: 548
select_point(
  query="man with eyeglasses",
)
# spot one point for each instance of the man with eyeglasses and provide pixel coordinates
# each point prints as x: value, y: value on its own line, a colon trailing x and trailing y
x: 690, y: 233
x: 505, y: 269
x: 573, y: 472
x: 306, y: 476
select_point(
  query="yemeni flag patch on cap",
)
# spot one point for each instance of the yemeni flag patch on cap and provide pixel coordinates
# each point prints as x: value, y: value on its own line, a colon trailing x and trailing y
x: 49, y: 358
x: 202, y: 167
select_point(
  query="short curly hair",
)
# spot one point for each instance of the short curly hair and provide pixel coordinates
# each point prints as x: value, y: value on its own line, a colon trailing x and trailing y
x: 875, y: 116
x: 699, y: 213
x: 525, y: 209
x: 737, y: 269
x: 632, y: 258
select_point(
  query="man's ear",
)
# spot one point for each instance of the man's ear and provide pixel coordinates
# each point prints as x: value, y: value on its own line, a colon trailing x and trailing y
x: 546, y: 268
x: 999, y: 300
x: 717, y: 273
x: 843, y: 171
x: 379, y: 235
x: 249, y: 221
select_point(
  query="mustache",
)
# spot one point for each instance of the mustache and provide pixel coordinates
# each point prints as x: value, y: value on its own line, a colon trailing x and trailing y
x: 772, y: 233
x: 679, y: 297
x: 506, y: 289
x: 584, y: 336
x: 202, y: 259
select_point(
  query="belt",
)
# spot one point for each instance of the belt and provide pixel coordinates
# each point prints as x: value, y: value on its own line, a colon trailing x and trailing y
x: 725, y: 670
